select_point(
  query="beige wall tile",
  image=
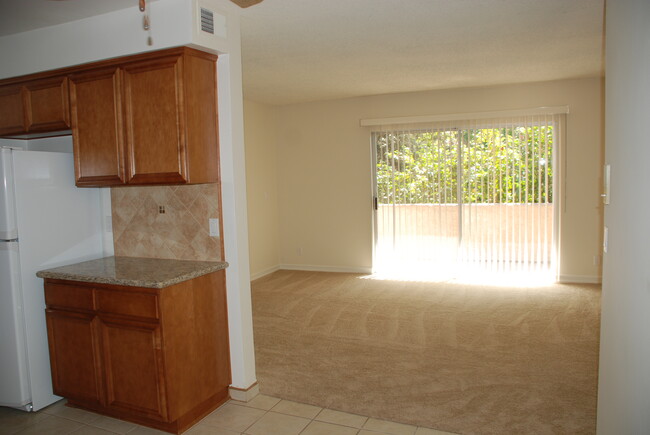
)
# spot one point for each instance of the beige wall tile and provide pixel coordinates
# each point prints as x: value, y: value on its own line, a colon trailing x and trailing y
x: 180, y: 233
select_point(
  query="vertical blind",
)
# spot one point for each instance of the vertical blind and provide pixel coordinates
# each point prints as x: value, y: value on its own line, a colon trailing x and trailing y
x: 472, y: 195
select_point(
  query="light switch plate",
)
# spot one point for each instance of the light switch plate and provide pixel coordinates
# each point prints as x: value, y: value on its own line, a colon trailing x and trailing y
x: 214, y: 227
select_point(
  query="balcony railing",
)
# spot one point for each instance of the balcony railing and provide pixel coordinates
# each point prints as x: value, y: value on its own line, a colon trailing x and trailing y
x: 510, y: 236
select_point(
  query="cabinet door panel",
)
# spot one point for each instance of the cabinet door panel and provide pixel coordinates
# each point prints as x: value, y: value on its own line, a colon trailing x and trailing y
x: 48, y: 108
x: 200, y: 87
x: 74, y: 356
x: 133, y: 361
x: 12, y: 110
x: 96, y: 117
x: 154, y: 121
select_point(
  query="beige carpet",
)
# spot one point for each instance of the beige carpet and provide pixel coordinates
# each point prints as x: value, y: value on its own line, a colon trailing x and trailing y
x: 458, y: 358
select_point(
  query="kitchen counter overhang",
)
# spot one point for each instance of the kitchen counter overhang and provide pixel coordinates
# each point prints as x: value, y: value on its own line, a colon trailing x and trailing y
x: 133, y: 271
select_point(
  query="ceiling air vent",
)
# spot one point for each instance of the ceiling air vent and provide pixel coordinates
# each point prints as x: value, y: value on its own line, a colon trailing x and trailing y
x: 207, y: 21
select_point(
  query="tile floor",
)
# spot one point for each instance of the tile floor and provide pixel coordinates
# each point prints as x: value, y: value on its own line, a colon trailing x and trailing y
x: 263, y: 415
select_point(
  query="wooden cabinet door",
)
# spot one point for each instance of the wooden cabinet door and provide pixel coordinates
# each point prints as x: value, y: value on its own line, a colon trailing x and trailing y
x: 12, y: 110
x: 134, y: 368
x: 47, y: 105
x: 155, y: 122
x: 75, y: 355
x: 97, y: 129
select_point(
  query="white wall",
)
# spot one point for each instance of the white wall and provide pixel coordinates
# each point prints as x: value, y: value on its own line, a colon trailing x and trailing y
x: 260, y: 129
x: 104, y: 36
x: 624, y: 381
x: 325, y: 171
x: 234, y: 213
x: 120, y: 33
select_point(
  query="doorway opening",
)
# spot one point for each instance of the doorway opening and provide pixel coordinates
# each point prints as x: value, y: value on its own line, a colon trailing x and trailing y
x: 470, y: 198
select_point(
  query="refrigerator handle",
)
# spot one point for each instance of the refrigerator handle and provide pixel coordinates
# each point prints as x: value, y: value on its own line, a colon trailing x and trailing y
x: 8, y: 221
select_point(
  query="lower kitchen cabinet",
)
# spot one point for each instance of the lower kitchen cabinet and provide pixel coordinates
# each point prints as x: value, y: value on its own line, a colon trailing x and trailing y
x: 76, y: 365
x: 133, y: 368
x: 155, y: 356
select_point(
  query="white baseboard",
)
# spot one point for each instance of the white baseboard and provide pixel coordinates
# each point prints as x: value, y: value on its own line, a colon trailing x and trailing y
x: 580, y: 279
x: 264, y: 272
x: 312, y: 268
x: 244, y: 395
x: 565, y: 279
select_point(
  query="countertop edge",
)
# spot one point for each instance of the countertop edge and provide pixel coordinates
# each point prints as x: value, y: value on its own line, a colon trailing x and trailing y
x: 47, y: 274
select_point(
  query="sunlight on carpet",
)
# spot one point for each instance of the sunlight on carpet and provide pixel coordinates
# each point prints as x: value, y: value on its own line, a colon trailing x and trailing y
x: 474, y: 275
x: 468, y: 359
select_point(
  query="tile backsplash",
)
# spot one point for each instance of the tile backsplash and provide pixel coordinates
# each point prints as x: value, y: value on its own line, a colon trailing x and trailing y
x: 166, y: 221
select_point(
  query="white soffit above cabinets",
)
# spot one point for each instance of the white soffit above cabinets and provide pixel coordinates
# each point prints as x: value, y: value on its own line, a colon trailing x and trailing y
x: 22, y: 15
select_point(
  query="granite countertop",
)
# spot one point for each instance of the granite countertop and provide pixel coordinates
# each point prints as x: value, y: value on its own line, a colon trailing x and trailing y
x: 133, y: 271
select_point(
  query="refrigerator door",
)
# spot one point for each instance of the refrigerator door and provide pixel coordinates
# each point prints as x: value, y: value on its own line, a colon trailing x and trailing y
x: 58, y: 224
x: 8, y: 228
x: 14, y: 381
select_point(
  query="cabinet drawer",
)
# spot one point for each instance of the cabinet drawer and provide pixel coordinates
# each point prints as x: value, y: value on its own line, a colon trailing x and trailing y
x: 69, y: 297
x: 127, y: 303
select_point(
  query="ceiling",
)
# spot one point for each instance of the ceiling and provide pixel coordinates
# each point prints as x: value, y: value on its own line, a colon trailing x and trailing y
x: 306, y: 50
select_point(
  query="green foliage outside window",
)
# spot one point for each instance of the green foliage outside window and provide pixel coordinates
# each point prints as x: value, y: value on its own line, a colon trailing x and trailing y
x: 497, y: 165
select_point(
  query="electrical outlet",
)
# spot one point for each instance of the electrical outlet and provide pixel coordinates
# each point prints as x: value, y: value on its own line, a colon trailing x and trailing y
x: 214, y: 227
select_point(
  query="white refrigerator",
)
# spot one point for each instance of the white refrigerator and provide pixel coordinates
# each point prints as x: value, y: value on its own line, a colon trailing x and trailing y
x: 45, y: 221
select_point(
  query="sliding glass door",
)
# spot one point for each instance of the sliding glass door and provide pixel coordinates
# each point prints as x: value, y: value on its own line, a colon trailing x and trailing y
x: 417, y: 197
x: 466, y: 197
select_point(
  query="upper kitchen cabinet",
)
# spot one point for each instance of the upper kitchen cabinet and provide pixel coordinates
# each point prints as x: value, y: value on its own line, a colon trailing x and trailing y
x: 146, y: 119
x: 34, y: 107
x: 97, y: 136
x: 12, y: 110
